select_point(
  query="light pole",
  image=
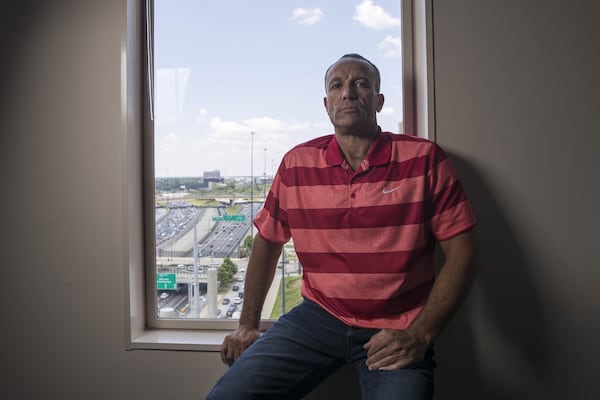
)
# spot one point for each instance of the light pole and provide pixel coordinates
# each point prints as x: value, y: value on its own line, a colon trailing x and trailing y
x: 283, y: 282
x: 251, y: 184
x: 196, y: 291
x: 265, y: 177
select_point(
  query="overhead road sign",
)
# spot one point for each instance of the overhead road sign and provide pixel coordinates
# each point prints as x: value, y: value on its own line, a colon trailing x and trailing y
x: 232, y: 217
x: 166, y: 281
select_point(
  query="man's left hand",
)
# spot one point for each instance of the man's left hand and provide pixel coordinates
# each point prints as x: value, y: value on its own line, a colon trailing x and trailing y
x: 391, y: 349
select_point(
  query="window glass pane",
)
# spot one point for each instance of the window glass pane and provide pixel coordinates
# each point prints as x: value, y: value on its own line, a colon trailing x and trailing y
x: 237, y: 84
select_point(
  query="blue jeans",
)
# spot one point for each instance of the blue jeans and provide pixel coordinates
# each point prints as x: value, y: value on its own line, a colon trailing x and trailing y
x: 306, y: 346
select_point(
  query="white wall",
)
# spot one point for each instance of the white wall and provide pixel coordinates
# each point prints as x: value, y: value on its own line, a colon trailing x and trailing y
x: 512, y: 81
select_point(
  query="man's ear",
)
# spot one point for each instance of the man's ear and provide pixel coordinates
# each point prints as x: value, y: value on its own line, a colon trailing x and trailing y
x: 381, y: 98
x: 325, y: 102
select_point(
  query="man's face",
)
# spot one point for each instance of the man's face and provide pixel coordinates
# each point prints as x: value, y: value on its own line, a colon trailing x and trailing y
x: 352, y: 101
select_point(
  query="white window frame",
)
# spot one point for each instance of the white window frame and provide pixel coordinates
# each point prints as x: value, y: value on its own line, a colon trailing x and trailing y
x: 417, y: 65
x: 143, y: 329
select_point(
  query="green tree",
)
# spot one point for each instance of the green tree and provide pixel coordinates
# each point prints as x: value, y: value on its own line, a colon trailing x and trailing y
x: 226, y: 271
x: 229, y: 266
x: 224, y: 276
x: 246, y: 246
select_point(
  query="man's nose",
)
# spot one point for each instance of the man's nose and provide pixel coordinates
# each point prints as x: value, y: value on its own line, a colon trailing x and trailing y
x: 349, y: 92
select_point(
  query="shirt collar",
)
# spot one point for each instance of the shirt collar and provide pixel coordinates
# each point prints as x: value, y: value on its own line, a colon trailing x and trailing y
x: 379, y: 154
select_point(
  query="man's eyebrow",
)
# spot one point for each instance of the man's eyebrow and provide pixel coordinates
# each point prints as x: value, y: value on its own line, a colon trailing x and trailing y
x: 356, y: 78
x: 333, y: 79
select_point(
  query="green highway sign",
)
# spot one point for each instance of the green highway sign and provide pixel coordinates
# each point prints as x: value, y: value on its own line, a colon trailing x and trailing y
x: 232, y: 217
x: 166, y: 281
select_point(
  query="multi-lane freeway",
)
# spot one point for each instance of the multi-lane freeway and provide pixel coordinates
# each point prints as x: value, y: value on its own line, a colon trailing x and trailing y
x: 216, y: 237
x: 226, y: 237
x: 179, y: 228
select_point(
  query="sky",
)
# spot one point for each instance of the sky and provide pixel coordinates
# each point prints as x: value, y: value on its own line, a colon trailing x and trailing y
x: 224, y: 69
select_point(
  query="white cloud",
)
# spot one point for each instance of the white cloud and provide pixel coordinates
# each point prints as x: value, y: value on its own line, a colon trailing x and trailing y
x: 324, y: 126
x: 168, y: 142
x: 272, y: 125
x: 202, y: 116
x: 264, y: 124
x: 390, y: 47
x: 307, y: 16
x: 279, y: 136
x: 387, y: 111
x: 375, y: 17
x: 225, y: 144
x: 224, y: 132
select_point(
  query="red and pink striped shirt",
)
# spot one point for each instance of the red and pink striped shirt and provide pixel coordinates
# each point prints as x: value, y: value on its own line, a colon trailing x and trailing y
x: 366, y: 238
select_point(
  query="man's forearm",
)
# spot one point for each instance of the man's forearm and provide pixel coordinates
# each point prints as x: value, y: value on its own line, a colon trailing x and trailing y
x: 449, y: 289
x: 259, y: 276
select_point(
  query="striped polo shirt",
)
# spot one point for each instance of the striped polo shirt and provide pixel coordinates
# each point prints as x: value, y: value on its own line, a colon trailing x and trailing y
x: 366, y: 238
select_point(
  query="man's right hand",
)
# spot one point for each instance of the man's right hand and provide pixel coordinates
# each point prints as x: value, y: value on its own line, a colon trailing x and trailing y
x: 236, y: 342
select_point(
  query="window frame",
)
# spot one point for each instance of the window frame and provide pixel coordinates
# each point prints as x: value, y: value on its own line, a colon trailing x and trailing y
x: 144, y: 329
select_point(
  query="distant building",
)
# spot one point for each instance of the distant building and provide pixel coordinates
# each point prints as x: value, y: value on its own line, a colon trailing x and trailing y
x: 214, y: 176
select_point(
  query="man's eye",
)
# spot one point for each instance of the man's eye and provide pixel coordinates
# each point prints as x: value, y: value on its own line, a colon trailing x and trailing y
x: 335, y: 86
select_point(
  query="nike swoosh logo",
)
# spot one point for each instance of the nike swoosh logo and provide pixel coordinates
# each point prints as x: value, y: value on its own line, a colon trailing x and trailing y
x: 388, y: 190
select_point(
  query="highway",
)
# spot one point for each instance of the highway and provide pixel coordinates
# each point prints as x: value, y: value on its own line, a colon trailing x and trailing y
x: 217, y: 237
x: 175, y: 303
x: 175, y: 231
x: 226, y: 236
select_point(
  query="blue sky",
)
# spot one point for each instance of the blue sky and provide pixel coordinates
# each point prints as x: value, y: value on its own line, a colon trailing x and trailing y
x: 224, y: 69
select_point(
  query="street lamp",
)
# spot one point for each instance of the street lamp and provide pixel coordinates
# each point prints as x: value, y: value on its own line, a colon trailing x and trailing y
x: 283, y: 281
x: 196, y: 285
x: 251, y: 184
x: 265, y: 177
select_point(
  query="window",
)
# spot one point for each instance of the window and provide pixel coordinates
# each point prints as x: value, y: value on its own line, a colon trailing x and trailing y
x: 233, y: 89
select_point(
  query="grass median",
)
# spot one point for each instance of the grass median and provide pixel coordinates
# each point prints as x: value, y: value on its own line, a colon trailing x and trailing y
x: 292, y: 296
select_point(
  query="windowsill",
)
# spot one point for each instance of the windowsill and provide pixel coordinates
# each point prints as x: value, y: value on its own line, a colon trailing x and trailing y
x: 179, y: 339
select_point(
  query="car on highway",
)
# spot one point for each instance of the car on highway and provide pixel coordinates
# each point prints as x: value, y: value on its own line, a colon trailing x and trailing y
x: 226, y: 301
x: 231, y: 310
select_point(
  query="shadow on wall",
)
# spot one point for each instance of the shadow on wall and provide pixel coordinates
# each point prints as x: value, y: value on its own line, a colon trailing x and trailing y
x: 494, y: 347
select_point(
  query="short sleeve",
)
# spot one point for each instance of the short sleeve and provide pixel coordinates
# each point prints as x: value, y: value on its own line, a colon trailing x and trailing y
x: 271, y: 221
x: 450, y: 211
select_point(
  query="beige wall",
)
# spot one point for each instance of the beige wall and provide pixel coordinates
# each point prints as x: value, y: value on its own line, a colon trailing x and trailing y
x: 517, y: 105
x: 516, y: 99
